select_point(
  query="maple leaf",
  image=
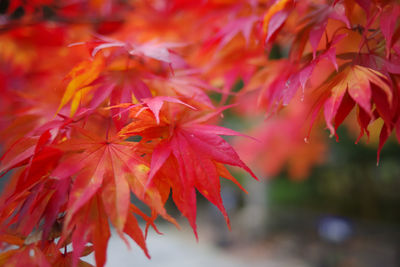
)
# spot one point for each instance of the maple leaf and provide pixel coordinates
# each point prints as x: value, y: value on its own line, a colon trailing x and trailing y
x: 30, y: 186
x: 356, y: 81
x: 91, y: 82
x: 388, y: 21
x: 154, y: 104
x: 275, y: 17
x: 359, y: 85
x: 80, y: 77
x: 111, y: 161
x: 104, y: 171
x: 299, y: 79
x: 116, y: 86
x: 160, y: 51
x: 185, y: 84
x: 316, y: 21
x: 194, y: 149
x: 240, y: 25
x: 119, y: 87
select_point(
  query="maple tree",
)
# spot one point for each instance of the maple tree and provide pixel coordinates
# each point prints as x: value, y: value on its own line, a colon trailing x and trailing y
x: 102, y: 99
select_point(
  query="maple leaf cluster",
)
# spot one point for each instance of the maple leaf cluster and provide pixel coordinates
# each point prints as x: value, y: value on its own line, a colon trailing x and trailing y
x: 102, y: 100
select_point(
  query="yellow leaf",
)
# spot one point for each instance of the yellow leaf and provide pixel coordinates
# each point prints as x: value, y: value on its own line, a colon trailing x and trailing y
x: 82, y: 75
x: 275, y: 8
x: 77, y: 99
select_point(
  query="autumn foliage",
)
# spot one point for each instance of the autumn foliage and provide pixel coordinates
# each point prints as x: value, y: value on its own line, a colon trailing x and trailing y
x: 103, y: 99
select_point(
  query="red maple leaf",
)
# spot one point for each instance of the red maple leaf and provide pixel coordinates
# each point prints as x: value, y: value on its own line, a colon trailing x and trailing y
x: 189, y: 156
